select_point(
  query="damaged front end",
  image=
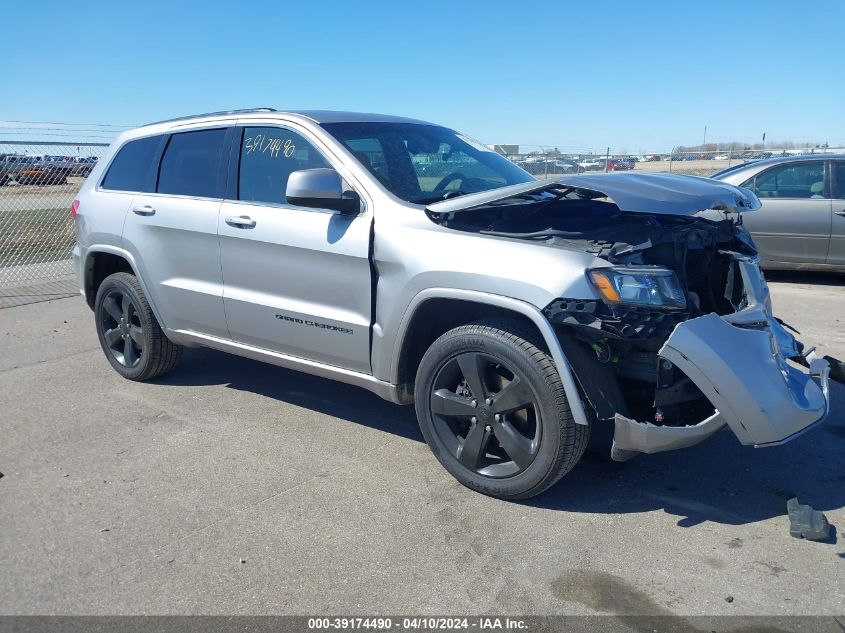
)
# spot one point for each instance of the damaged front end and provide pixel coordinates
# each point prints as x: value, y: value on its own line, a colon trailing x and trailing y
x: 739, y: 363
x: 682, y: 375
x: 680, y: 339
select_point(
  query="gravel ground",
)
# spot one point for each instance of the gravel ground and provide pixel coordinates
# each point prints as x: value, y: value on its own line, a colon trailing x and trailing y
x: 237, y: 487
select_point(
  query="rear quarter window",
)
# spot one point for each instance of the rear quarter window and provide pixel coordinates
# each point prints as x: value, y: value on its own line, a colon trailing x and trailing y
x: 132, y: 169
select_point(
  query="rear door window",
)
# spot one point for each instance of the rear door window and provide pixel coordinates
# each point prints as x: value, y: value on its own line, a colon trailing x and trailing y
x: 269, y: 155
x: 191, y: 164
x: 132, y: 169
x: 792, y: 180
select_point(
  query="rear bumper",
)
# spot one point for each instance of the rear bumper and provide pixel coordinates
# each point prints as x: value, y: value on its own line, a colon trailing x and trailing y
x: 76, y: 256
x: 740, y: 363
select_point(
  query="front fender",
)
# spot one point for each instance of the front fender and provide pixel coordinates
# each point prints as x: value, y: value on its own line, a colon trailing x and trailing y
x: 531, y: 312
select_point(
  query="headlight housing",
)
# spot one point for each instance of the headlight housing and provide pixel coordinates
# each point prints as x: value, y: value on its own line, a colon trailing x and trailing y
x: 646, y: 286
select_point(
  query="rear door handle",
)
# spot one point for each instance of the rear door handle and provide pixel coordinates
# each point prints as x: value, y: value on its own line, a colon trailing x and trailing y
x: 240, y: 221
x: 143, y: 210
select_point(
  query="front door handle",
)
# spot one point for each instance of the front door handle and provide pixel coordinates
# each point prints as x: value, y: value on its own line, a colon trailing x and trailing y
x: 143, y: 210
x: 240, y: 221
x: 842, y: 213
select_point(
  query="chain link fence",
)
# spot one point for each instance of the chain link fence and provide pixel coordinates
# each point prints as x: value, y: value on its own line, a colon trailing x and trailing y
x: 38, y: 183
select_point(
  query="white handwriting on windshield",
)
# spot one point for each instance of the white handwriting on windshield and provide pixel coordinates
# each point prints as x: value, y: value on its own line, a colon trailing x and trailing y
x: 273, y: 147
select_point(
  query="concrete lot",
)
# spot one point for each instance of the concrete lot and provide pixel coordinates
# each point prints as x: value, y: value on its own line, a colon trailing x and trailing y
x: 236, y: 487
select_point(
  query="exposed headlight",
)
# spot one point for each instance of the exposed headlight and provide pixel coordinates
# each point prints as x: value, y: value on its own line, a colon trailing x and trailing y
x: 639, y: 285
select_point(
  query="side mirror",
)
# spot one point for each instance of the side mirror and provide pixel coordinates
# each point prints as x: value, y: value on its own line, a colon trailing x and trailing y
x: 321, y: 189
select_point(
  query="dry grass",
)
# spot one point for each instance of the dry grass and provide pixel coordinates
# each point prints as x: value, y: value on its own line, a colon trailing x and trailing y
x: 35, y: 236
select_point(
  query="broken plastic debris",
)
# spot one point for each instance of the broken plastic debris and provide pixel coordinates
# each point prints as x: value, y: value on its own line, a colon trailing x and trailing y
x: 806, y: 523
x: 837, y: 369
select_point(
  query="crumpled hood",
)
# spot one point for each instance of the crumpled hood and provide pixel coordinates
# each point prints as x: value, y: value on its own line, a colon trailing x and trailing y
x: 670, y: 194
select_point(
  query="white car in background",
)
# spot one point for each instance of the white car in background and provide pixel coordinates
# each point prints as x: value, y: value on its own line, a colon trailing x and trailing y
x: 591, y: 164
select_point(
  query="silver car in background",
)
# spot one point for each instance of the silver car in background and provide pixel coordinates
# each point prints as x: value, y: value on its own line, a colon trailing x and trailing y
x: 801, y: 224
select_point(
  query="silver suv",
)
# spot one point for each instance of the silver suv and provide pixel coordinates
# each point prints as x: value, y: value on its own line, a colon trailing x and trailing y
x: 415, y: 262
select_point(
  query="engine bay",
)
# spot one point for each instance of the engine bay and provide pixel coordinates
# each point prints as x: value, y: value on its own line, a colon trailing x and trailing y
x: 614, y: 347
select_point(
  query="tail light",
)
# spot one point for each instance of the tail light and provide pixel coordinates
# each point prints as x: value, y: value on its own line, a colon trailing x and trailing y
x: 74, y: 209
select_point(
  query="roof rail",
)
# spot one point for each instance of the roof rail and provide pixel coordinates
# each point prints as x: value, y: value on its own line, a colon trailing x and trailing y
x: 221, y: 113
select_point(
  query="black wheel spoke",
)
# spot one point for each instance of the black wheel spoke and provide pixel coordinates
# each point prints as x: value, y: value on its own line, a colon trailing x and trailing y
x: 445, y: 402
x: 474, y: 447
x: 112, y: 336
x: 518, y: 447
x: 517, y: 395
x: 130, y: 352
x: 114, y: 310
x: 126, y: 307
x: 472, y: 367
x: 137, y: 336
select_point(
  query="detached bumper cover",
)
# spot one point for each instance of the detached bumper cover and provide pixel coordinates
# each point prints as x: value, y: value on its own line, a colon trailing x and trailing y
x: 631, y: 438
x: 764, y: 399
x: 739, y: 362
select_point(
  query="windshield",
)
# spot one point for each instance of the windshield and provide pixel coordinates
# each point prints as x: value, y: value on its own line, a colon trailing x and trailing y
x: 425, y: 163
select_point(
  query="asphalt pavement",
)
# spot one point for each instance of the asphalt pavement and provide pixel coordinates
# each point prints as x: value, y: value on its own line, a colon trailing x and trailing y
x: 234, y: 487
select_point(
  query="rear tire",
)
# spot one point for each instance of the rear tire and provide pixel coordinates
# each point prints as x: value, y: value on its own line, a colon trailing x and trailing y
x: 519, y: 438
x: 129, y: 332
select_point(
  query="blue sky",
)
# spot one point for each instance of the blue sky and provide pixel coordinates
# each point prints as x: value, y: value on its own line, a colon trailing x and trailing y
x: 633, y: 75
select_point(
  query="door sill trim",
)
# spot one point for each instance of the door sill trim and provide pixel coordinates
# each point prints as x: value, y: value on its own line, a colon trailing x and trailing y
x: 382, y: 389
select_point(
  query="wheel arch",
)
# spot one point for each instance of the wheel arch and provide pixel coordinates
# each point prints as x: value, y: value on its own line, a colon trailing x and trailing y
x: 104, y: 260
x: 434, y: 311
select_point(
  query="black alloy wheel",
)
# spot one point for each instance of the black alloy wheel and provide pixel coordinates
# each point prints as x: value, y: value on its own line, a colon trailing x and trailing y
x: 486, y: 415
x: 121, y: 328
x: 492, y: 408
x: 129, y: 333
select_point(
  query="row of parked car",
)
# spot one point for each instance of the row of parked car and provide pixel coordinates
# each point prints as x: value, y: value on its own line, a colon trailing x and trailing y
x: 738, y: 156
x: 569, y: 165
x: 542, y: 166
x: 43, y: 170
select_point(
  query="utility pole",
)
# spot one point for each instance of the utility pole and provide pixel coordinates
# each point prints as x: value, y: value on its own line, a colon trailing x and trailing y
x: 704, y: 142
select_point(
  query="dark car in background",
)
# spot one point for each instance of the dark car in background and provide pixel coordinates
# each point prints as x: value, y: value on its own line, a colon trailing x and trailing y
x: 801, y: 224
x: 12, y: 165
x: 82, y: 165
x: 548, y: 167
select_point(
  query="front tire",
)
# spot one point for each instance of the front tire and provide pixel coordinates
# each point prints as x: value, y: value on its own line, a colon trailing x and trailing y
x: 491, y: 405
x: 129, y: 333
